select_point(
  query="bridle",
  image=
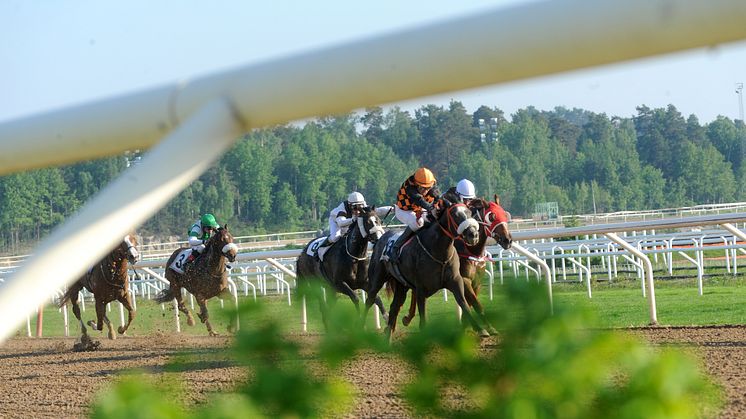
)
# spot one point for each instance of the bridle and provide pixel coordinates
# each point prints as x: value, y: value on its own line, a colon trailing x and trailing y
x: 458, y: 228
x: 366, y: 234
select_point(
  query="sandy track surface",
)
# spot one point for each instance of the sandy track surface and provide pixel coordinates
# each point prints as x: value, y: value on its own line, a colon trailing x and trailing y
x: 44, y: 378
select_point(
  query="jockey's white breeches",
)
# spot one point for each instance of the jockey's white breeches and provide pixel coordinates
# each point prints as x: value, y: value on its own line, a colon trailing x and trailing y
x: 410, y: 219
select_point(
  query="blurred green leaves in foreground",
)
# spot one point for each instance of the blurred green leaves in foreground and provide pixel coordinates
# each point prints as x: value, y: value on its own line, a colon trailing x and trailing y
x: 540, y: 366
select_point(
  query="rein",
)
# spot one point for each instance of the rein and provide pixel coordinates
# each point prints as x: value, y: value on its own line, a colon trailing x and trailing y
x: 347, y: 249
x: 103, y: 275
x: 442, y: 263
x: 450, y: 223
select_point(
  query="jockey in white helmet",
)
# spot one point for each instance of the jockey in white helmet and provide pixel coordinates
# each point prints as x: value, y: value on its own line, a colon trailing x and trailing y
x: 465, y: 190
x: 341, y: 217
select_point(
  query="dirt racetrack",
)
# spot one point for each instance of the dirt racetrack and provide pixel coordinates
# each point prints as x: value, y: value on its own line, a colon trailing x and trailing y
x: 44, y: 378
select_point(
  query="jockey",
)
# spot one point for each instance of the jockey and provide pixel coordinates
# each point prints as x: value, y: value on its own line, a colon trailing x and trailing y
x: 341, y: 217
x: 199, y: 233
x: 464, y: 191
x: 414, y: 200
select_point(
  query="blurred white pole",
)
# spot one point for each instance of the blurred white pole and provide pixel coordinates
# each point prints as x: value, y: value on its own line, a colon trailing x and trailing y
x: 127, y: 202
x: 507, y: 44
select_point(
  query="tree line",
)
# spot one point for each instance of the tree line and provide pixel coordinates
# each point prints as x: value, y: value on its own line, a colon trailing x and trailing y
x: 288, y: 177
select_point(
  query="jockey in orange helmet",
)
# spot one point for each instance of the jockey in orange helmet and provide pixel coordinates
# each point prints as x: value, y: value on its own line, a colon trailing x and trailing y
x: 415, y: 198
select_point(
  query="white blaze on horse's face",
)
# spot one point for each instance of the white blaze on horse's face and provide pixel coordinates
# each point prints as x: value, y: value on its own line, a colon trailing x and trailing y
x: 376, y: 231
x: 133, y: 254
x: 230, y: 251
x: 468, y: 228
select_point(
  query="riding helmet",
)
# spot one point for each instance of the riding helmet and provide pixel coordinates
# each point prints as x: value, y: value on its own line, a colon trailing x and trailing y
x: 424, y: 177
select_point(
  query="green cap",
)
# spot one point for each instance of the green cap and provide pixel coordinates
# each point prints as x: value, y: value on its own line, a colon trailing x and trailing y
x: 208, y: 220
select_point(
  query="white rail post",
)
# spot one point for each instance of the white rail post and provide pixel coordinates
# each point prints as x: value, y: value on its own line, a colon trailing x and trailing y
x: 522, y: 250
x: 648, y: 271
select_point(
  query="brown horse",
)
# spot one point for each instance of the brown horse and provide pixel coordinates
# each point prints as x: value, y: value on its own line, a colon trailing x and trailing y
x: 428, y: 263
x: 345, y: 265
x: 493, y: 222
x: 204, y: 278
x: 107, y: 281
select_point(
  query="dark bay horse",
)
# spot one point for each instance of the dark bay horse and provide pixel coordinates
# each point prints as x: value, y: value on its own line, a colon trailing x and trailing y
x: 493, y: 222
x: 204, y: 278
x: 107, y: 281
x: 428, y: 262
x: 345, y: 265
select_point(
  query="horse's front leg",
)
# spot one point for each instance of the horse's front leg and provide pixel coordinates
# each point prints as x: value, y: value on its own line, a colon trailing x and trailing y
x: 456, y: 286
x: 204, y: 316
x: 471, y: 298
x: 345, y: 289
x: 126, y: 301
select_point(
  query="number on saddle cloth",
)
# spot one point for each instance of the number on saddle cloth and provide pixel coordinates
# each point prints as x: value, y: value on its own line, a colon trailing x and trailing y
x: 315, y: 246
x: 180, y: 261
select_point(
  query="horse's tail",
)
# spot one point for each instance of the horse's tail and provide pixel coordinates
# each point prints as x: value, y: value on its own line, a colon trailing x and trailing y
x: 67, y: 297
x: 390, y: 287
x: 165, y: 295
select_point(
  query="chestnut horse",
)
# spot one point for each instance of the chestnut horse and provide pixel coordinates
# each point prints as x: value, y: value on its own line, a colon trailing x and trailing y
x: 204, y: 278
x: 493, y: 222
x: 107, y: 281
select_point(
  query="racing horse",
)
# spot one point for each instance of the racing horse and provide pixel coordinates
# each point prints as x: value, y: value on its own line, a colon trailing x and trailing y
x: 107, y: 281
x: 204, y: 278
x: 345, y: 263
x: 428, y: 263
x: 493, y: 222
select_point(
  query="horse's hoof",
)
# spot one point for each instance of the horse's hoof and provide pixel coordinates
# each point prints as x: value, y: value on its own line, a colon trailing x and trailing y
x: 86, y: 344
x: 213, y: 334
x: 121, y: 330
x: 92, y: 324
x: 406, y: 320
x: 484, y: 334
x: 492, y: 330
x: 190, y: 321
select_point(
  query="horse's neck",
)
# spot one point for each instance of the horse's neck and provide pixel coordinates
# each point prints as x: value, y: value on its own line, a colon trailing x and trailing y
x: 437, y: 242
x: 116, y: 267
x: 356, y: 242
x: 215, y: 261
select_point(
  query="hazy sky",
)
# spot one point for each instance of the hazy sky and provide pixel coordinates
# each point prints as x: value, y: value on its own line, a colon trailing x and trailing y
x: 57, y: 53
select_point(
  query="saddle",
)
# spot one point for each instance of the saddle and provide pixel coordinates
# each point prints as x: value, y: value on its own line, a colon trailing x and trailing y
x: 393, y: 268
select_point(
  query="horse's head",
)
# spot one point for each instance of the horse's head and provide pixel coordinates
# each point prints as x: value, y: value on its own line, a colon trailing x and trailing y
x: 223, y: 240
x: 128, y: 249
x: 458, y: 221
x: 369, y: 224
x: 494, y: 219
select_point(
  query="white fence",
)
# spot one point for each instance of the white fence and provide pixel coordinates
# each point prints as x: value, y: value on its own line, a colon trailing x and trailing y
x: 399, y: 66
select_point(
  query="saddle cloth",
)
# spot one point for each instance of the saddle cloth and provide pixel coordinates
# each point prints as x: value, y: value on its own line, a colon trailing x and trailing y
x: 392, y: 268
x: 180, y: 261
x: 315, y: 245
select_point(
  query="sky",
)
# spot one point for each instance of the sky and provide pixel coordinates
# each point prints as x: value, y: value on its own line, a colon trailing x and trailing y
x: 55, y: 54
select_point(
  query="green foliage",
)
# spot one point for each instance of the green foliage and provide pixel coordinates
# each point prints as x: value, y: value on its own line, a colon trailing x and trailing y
x: 545, y: 365
x: 288, y: 177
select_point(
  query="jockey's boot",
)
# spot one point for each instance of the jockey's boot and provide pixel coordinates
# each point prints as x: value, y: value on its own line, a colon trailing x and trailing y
x: 394, y: 254
x: 325, y: 243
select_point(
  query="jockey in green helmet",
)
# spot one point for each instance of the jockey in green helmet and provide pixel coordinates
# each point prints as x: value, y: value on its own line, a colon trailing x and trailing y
x: 200, y: 232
